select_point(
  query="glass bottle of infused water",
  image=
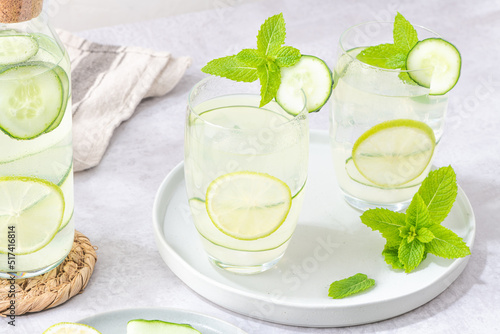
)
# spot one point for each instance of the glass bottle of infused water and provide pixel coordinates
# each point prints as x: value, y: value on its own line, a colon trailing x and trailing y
x: 36, y: 170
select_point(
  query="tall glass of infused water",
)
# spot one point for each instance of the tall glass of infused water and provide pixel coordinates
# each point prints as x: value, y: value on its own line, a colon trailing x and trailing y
x: 385, y: 128
x: 245, y: 169
x: 36, y: 174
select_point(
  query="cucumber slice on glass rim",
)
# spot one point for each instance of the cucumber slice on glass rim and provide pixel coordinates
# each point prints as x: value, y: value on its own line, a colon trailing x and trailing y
x: 311, y: 76
x: 440, y: 62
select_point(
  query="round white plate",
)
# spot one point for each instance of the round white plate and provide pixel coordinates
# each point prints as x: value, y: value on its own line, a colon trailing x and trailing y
x: 330, y: 243
x: 115, y: 322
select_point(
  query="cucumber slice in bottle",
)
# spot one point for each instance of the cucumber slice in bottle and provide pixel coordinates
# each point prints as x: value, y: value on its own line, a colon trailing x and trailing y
x: 9, y: 32
x: 63, y: 77
x: 310, y: 75
x: 31, y: 99
x: 140, y: 326
x: 440, y: 62
x: 16, y: 49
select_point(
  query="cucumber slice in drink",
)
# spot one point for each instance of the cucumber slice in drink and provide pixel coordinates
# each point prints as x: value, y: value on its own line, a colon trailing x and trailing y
x: 31, y: 99
x: 52, y: 164
x: 310, y: 75
x: 140, y: 326
x: 9, y: 32
x: 65, y: 86
x: 440, y: 62
x: 16, y: 49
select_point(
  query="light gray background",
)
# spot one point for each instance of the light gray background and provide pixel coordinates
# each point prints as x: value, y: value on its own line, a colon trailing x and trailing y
x: 114, y: 200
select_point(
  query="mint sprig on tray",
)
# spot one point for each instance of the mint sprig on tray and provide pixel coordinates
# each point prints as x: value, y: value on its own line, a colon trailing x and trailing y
x: 411, y: 236
x: 263, y: 63
x: 349, y: 286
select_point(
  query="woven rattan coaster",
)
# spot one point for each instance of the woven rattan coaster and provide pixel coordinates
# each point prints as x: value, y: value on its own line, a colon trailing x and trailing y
x: 54, y: 287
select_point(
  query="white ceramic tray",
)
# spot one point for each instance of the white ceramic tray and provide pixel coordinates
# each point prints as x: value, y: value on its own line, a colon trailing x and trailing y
x: 330, y: 243
x: 115, y: 322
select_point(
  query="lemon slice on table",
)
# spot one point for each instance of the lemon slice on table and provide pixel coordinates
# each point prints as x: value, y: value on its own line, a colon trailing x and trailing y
x: 33, y: 209
x: 395, y: 152
x: 248, y: 205
x: 71, y: 328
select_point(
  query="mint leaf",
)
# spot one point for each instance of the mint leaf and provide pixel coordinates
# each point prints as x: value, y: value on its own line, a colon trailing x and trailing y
x: 351, y: 285
x: 404, y: 35
x: 411, y: 253
x: 417, y: 213
x: 406, y: 78
x: 383, y: 55
x: 229, y: 67
x: 408, y: 232
x: 251, y: 57
x: 393, y: 56
x: 438, y: 191
x: 391, y: 257
x: 446, y: 243
x: 270, y: 80
x: 271, y: 35
x: 424, y: 235
x: 386, y: 222
x: 263, y: 63
x: 287, y: 56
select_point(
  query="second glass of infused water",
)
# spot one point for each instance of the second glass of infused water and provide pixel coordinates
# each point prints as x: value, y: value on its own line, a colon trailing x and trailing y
x: 246, y: 169
x: 384, y: 128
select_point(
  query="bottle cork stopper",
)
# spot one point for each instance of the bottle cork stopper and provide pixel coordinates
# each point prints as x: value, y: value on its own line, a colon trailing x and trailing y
x: 12, y: 11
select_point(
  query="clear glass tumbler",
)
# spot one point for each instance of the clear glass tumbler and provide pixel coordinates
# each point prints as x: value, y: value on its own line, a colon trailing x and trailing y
x: 36, y: 169
x: 245, y: 169
x: 384, y: 128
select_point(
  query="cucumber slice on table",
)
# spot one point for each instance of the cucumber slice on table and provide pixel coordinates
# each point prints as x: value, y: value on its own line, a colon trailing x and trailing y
x: 140, y: 326
x: 310, y: 75
x: 440, y: 62
x: 31, y: 99
x: 16, y: 49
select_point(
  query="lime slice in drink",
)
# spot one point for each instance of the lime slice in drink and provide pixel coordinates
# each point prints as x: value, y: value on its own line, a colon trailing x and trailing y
x: 32, y: 97
x: 71, y: 328
x: 140, y: 326
x: 395, y: 152
x: 248, y: 205
x: 32, y: 209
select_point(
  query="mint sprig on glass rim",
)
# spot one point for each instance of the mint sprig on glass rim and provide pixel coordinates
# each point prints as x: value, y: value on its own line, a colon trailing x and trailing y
x: 412, y: 235
x: 276, y: 65
x: 263, y: 63
x: 392, y: 55
x: 431, y: 63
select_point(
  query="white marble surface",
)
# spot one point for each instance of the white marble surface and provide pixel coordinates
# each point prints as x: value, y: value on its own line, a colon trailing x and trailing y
x: 114, y: 200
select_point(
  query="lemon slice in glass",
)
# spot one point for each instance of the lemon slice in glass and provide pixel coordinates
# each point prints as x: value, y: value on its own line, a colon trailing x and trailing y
x: 395, y: 152
x: 33, y: 209
x: 248, y: 205
x: 71, y: 328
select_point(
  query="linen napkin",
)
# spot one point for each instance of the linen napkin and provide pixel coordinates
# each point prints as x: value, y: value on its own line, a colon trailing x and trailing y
x: 108, y: 82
